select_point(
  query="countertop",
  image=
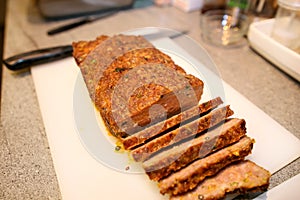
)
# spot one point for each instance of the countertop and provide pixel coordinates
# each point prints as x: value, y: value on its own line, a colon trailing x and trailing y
x: 26, y: 165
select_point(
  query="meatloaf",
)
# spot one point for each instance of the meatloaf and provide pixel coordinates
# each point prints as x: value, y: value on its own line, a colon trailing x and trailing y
x: 242, y: 177
x: 152, y: 105
x: 191, y: 129
x: 189, y: 177
x: 131, y: 82
x: 179, y: 119
x: 179, y: 156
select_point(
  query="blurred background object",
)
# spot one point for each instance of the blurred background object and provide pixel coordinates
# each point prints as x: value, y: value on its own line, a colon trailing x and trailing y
x: 62, y: 9
x: 286, y: 29
x: 258, y: 8
x: 226, y: 22
x: 224, y: 28
x: 188, y: 5
x: 213, y: 5
x: 262, y: 8
x: 162, y: 2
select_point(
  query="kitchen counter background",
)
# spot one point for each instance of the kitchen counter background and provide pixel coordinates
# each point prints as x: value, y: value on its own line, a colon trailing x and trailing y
x: 26, y: 165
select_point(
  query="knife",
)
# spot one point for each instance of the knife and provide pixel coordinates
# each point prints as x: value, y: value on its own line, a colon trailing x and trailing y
x: 80, y: 22
x: 36, y: 57
x: 40, y: 56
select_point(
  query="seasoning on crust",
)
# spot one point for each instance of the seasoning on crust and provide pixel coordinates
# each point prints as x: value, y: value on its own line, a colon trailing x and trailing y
x: 189, y: 177
x: 126, y: 76
x: 81, y: 49
x: 241, y: 177
x: 93, y: 57
x: 154, y: 130
x: 136, y: 81
x: 190, y: 129
x: 171, y: 160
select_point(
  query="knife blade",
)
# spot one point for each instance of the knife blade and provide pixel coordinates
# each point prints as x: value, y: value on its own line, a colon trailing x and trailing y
x: 80, y: 22
x: 40, y: 56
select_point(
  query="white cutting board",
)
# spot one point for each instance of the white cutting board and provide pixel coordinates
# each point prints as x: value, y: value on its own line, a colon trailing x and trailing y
x: 286, y: 190
x: 81, y: 176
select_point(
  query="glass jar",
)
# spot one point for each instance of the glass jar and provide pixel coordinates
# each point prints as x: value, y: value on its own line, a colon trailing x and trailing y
x: 286, y: 29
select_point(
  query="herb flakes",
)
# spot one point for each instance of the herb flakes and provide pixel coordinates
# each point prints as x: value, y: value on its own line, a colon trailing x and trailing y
x: 120, y: 69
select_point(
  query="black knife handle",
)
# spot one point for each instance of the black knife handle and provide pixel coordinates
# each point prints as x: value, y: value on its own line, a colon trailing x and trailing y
x: 36, y: 57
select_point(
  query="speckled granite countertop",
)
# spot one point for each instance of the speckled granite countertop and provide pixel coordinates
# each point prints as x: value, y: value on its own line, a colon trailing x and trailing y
x: 27, y: 170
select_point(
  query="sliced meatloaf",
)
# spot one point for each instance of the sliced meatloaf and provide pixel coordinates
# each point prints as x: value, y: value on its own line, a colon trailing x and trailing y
x: 189, y: 177
x: 173, y: 159
x: 152, y: 105
x: 152, y: 131
x: 191, y: 129
x: 242, y: 177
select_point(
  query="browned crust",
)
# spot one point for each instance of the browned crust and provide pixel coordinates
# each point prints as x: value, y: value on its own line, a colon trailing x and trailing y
x: 107, y: 60
x: 129, y: 82
x: 140, y: 137
x: 203, y: 123
x: 239, y: 177
x: 188, y: 178
x: 93, y: 57
x: 179, y: 156
x: 171, y: 106
x: 82, y: 48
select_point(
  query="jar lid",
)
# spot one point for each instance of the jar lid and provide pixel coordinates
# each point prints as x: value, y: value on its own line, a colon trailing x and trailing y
x: 290, y: 4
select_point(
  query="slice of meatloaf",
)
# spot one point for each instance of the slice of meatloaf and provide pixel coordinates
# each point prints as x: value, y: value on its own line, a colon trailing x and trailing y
x: 179, y: 156
x: 146, y: 134
x: 189, y: 177
x: 191, y: 129
x: 242, y: 177
x: 134, y: 84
